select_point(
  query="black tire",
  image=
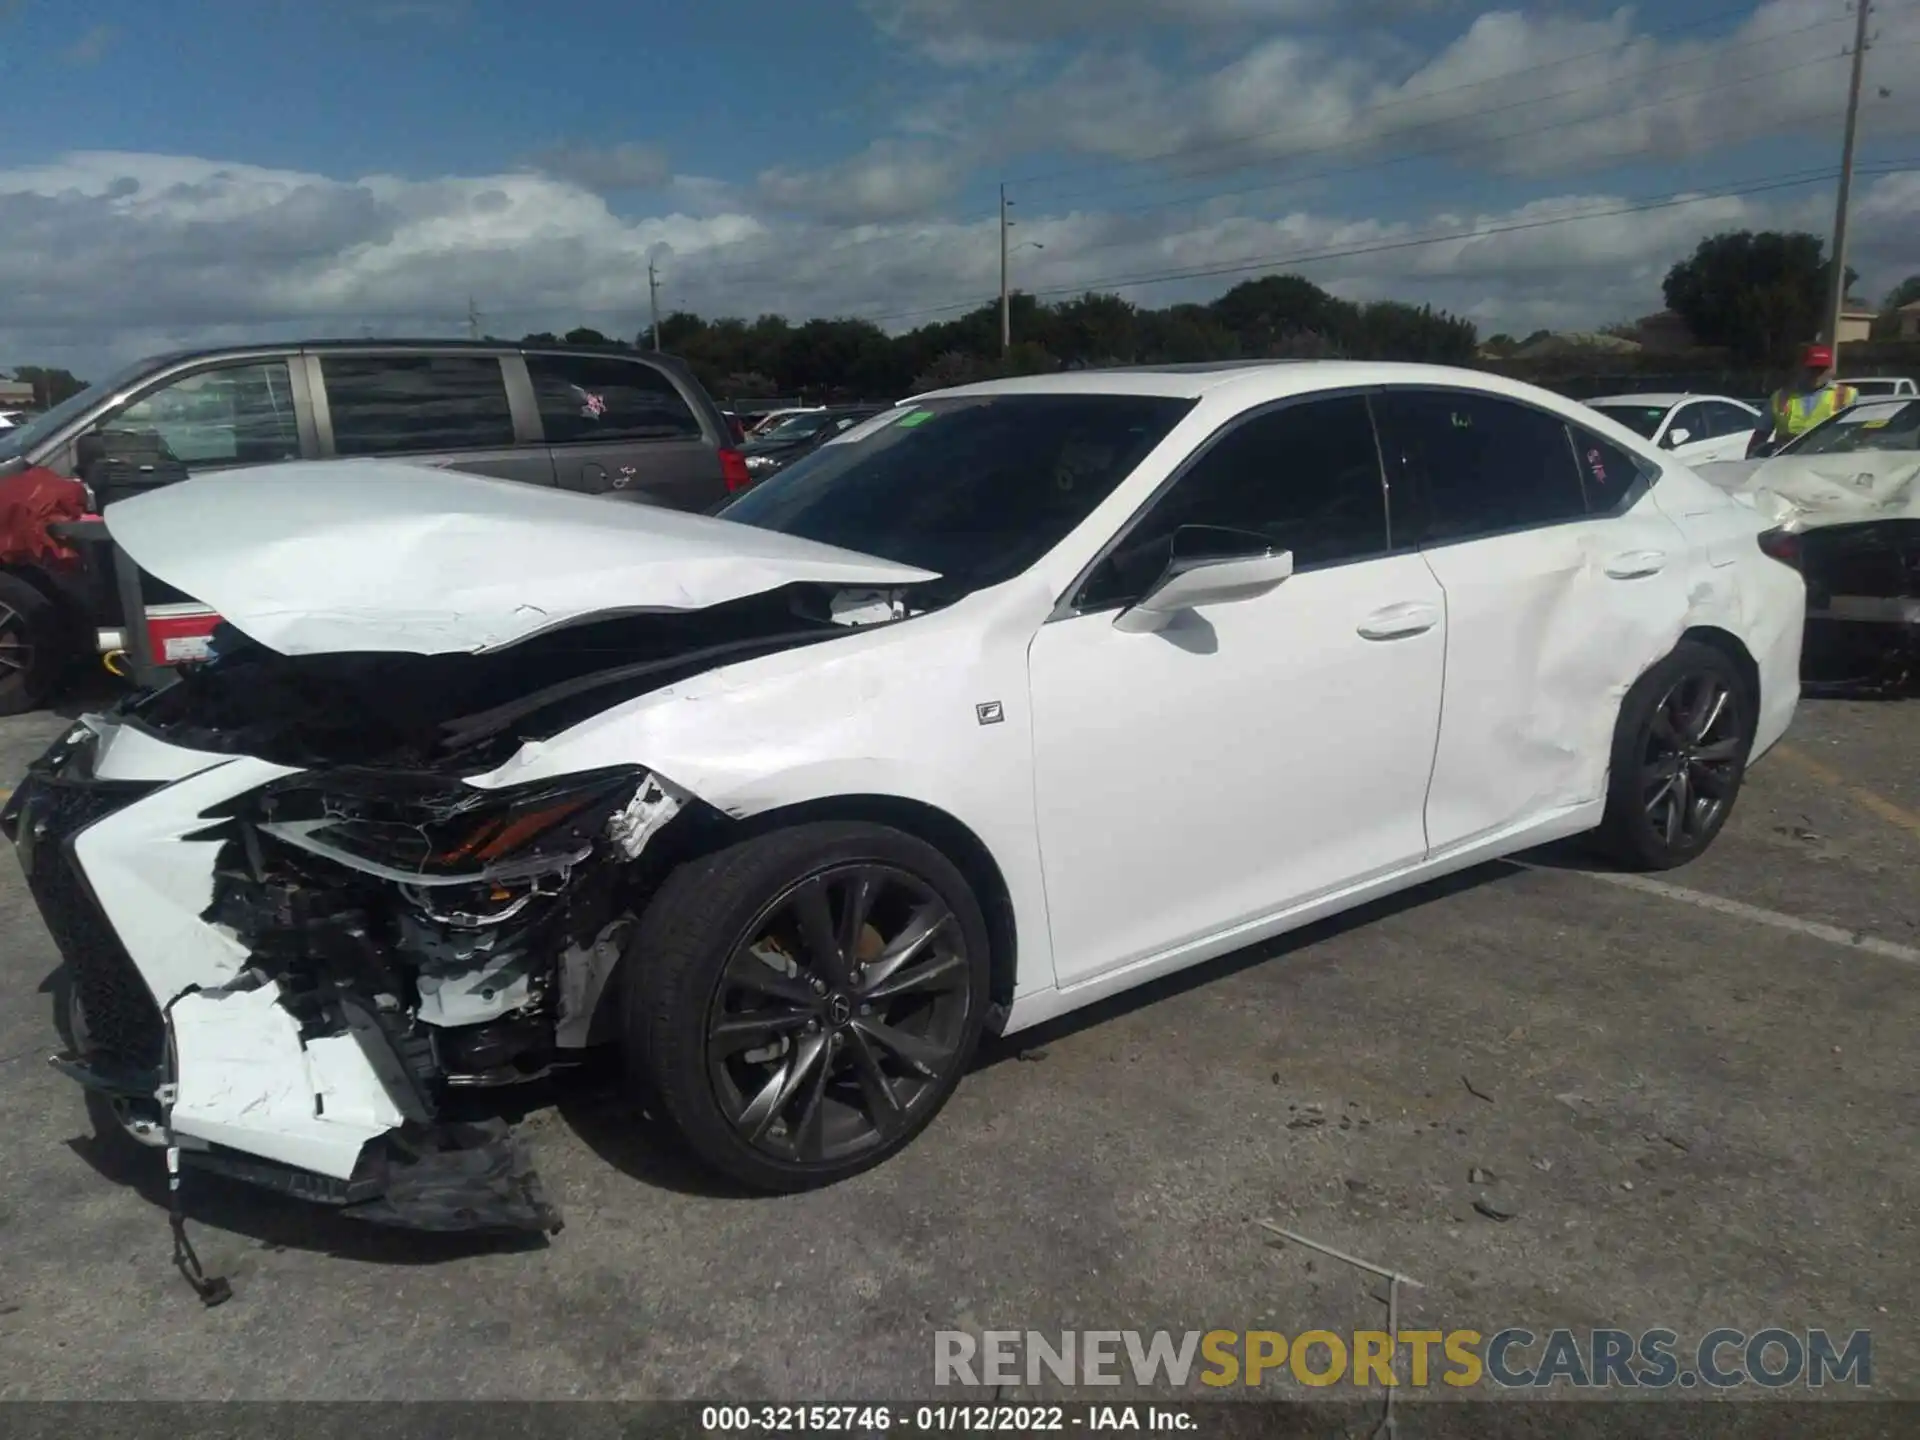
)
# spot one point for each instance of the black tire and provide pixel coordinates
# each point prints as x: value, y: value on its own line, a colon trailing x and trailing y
x: 1679, y: 758
x: 31, y: 655
x: 118, y: 1126
x: 684, y: 971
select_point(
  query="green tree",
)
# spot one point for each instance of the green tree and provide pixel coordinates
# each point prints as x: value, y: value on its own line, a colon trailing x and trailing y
x: 1905, y: 293
x: 1756, y: 294
x: 50, y: 385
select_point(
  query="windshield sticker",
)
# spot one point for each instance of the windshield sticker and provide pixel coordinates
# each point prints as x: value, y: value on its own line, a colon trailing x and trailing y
x: 914, y: 417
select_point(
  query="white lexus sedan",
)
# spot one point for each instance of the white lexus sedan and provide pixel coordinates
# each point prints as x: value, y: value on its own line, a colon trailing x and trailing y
x: 1696, y: 429
x: 1013, y: 697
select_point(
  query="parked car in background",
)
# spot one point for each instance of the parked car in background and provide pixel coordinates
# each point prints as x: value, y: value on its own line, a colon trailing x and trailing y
x: 767, y: 419
x: 1847, y: 497
x: 1696, y: 428
x: 11, y: 418
x: 1884, y: 387
x: 944, y: 731
x: 638, y: 426
x: 800, y: 435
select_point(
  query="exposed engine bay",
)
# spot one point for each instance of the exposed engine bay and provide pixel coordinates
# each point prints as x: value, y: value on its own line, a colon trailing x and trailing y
x: 294, y: 931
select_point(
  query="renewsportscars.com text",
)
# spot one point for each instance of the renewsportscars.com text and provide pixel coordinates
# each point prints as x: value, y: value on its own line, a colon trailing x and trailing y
x: 1513, y: 1358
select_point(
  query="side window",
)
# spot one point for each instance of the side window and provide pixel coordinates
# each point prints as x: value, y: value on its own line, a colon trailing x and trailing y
x: 1486, y: 464
x: 1694, y: 420
x: 1608, y: 472
x: 1306, y: 478
x: 1731, y: 419
x: 236, y: 415
x: 586, y: 398
x: 400, y: 404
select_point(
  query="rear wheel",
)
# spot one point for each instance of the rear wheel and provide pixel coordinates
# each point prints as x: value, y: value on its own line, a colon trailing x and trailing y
x: 803, y: 1003
x: 29, y: 646
x: 1679, y: 758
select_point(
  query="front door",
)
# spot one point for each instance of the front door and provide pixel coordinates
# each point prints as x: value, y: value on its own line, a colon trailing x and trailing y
x: 1256, y: 753
x: 1563, y: 582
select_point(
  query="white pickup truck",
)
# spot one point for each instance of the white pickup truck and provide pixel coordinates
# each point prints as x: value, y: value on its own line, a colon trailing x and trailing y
x: 1884, y: 387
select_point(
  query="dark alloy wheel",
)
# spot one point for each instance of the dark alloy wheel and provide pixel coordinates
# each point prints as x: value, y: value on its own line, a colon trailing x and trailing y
x: 27, y: 660
x: 1679, y: 757
x: 843, y: 1010
x: 802, y: 1004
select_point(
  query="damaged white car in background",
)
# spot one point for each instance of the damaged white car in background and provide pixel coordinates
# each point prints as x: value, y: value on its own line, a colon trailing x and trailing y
x: 1846, y: 499
x: 1012, y: 698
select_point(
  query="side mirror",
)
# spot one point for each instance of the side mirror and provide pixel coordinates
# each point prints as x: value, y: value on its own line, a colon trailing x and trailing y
x: 1208, y: 567
x: 1676, y: 438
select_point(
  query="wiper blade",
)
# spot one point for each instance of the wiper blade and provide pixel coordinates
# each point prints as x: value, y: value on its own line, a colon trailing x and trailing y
x: 462, y: 731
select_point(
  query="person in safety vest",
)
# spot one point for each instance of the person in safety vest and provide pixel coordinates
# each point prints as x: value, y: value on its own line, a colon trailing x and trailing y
x: 1814, y: 397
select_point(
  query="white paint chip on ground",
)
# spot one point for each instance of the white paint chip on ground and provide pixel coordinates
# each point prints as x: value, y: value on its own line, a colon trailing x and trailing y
x: 1831, y: 934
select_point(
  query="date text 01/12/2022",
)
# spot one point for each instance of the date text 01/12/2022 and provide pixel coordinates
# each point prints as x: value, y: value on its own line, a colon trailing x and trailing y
x: 939, y: 1419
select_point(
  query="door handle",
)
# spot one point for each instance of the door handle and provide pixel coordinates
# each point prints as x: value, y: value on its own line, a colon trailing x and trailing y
x: 1412, y: 617
x: 1636, y: 564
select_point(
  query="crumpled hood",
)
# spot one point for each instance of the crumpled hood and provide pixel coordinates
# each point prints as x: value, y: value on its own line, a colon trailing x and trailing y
x: 1807, y: 492
x: 317, y: 557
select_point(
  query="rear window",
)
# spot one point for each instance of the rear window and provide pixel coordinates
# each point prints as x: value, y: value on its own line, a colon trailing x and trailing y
x: 408, y: 404
x: 1643, y: 420
x: 584, y: 397
x: 976, y: 488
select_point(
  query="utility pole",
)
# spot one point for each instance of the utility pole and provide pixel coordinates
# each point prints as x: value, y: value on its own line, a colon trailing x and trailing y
x: 653, y: 297
x: 1006, y: 302
x: 1837, y: 285
x: 473, y: 319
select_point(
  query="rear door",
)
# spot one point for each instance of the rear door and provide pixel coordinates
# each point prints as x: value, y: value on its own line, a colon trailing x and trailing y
x: 622, y: 425
x: 447, y: 408
x: 1563, y: 582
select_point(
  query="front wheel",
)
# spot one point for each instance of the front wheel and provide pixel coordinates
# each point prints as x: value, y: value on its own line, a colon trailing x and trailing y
x: 803, y: 1003
x: 1679, y: 757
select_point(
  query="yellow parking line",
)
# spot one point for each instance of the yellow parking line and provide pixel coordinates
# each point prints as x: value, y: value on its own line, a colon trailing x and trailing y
x: 1866, y: 799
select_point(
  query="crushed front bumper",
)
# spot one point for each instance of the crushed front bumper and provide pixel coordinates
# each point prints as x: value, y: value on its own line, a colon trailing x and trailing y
x: 336, y: 1119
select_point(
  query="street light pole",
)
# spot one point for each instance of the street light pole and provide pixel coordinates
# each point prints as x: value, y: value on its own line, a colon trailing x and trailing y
x: 1006, y: 303
x: 1837, y: 282
x: 653, y: 298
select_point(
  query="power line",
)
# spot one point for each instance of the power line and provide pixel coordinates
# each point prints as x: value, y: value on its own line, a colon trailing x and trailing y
x: 1452, y: 147
x: 1498, y: 77
x: 1248, y: 265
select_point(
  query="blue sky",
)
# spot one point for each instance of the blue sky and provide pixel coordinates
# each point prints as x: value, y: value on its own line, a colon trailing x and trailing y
x: 233, y: 167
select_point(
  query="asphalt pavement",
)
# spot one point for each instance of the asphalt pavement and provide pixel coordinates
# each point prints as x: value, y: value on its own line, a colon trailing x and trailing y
x: 1687, y: 1103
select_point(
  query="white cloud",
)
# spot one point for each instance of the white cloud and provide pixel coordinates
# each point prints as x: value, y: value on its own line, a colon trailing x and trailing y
x: 987, y: 32
x: 1515, y: 93
x: 114, y: 254
x: 606, y: 168
x: 889, y: 180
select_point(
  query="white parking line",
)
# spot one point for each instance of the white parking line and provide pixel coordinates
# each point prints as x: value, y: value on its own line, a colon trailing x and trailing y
x: 1831, y: 934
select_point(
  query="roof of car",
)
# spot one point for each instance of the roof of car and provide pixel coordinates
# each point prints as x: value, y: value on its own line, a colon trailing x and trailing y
x: 1254, y: 380
x: 1663, y: 398
x: 203, y: 352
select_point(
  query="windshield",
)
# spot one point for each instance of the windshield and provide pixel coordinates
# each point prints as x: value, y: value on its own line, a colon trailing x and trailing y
x: 1874, y: 425
x: 1871, y: 388
x: 976, y: 488
x: 796, y: 427
x: 1643, y: 420
x: 18, y: 441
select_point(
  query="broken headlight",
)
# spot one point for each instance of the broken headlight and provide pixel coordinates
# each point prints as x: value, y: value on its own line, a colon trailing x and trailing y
x: 425, y: 830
